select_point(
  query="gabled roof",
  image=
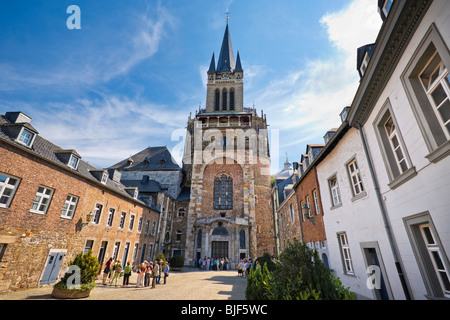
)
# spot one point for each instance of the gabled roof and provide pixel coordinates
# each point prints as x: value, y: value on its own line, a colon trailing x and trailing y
x: 226, y: 58
x: 149, y: 159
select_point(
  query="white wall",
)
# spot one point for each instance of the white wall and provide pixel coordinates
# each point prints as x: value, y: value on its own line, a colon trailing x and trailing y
x: 429, y: 190
x: 360, y: 219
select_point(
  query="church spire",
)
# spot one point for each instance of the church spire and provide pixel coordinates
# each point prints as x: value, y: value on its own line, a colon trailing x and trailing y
x: 212, y: 66
x: 226, y: 58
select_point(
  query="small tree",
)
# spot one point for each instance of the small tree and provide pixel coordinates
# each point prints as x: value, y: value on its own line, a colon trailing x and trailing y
x: 88, y: 267
x: 177, y: 262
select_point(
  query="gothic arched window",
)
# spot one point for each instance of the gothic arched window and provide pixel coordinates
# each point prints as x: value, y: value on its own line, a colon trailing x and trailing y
x: 223, y: 193
x: 217, y: 100
x: 199, y: 238
x: 224, y: 99
x: 242, y: 239
x: 231, y: 99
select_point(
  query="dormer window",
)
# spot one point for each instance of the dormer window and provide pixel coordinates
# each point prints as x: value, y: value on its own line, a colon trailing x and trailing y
x: 73, y: 161
x: 364, y: 64
x: 136, y: 193
x: 104, y: 177
x: 387, y: 6
x: 26, y: 137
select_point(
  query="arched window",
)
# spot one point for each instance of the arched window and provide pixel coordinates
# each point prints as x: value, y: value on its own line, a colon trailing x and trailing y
x: 224, y: 99
x: 231, y: 99
x: 242, y: 239
x: 223, y: 193
x: 217, y: 100
x: 199, y: 238
x: 181, y: 212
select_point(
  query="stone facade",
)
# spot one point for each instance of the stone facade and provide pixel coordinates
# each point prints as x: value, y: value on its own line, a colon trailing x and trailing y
x: 31, y: 241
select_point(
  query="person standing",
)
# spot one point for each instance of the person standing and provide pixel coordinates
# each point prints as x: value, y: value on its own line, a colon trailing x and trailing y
x: 117, y: 272
x: 141, y: 276
x: 160, y: 267
x: 166, y: 271
x: 107, y: 271
x: 155, y: 273
x: 148, y: 273
x: 126, y: 274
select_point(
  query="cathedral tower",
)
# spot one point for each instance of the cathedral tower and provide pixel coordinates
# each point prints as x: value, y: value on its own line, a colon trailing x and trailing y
x: 227, y: 165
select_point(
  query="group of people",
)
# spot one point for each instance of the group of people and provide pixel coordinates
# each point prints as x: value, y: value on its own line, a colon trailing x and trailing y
x: 145, y: 271
x: 244, y: 267
x: 206, y: 264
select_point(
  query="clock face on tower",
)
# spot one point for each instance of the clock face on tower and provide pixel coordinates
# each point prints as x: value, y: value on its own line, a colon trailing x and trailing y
x: 225, y: 76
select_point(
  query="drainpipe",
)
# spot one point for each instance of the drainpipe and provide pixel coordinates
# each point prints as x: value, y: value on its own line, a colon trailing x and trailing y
x: 384, y: 214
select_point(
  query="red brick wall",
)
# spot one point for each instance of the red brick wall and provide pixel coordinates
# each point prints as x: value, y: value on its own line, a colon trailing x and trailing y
x: 24, y: 260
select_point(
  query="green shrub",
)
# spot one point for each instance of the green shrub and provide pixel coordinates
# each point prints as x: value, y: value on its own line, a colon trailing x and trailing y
x: 299, y: 275
x: 266, y: 258
x: 89, y: 267
x: 161, y: 256
x: 177, y: 262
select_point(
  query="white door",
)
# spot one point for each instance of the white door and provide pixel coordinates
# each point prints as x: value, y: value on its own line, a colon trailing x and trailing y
x: 54, y: 261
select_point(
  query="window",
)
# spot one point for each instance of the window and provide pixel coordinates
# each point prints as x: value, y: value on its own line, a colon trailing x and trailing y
x: 97, y: 213
x: 223, y: 193
x: 69, y: 206
x: 178, y: 238
x: 291, y: 211
x: 199, y: 238
x: 435, y: 253
x: 364, y: 64
x: 131, y: 222
x: 355, y: 178
x: 387, y: 6
x: 73, y: 161
x: 122, y: 220
x: 109, y: 222
x: 153, y: 228
x: 147, y: 226
x: 242, y: 239
x: 232, y: 99
x: 316, y: 201
x: 140, y: 224
x: 308, y: 205
x: 224, y: 99
x: 334, y: 190
x: 426, y: 81
x: 345, y: 251
x: 435, y: 81
x: 104, y: 177
x: 116, y: 250
x: 25, y: 137
x: 217, y: 100
x: 8, y: 187
x: 181, y: 212
x: 302, y: 205
x: 395, y: 155
x: 42, y: 200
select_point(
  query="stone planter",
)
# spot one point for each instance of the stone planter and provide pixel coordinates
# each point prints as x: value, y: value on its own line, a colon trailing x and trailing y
x: 70, y: 294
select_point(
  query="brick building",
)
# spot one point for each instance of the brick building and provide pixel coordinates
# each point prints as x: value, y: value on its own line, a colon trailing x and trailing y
x: 47, y: 194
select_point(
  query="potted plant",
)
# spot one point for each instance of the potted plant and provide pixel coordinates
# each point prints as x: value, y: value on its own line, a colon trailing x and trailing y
x: 79, y: 280
x: 177, y: 263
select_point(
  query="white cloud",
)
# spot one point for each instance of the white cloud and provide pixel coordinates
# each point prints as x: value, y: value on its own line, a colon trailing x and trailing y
x: 307, y: 102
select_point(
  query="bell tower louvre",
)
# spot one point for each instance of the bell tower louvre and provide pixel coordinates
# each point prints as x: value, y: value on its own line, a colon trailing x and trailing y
x: 227, y: 164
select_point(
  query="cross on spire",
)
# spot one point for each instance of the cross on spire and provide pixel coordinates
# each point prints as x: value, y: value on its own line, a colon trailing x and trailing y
x: 228, y: 15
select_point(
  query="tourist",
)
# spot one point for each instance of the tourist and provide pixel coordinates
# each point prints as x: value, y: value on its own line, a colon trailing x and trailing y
x: 117, y: 272
x: 126, y: 274
x: 166, y: 271
x: 148, y: 273
x: 141, y: 275
x: 200, y: 264
x: 155, y: 273
x: 160, y: 268
x: 204, y: 264
x: 107, y: 271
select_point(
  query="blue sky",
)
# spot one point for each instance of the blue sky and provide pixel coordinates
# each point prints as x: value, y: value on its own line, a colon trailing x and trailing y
x: 131, y: 75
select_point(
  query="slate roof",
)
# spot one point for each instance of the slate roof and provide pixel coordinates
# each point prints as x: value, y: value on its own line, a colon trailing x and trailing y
x: 47, y: 150
x: 226, y: 58
x: 149, y: 159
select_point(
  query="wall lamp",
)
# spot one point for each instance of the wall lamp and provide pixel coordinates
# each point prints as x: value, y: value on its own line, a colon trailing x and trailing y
x: 306, y: 214
x: 89, y: 217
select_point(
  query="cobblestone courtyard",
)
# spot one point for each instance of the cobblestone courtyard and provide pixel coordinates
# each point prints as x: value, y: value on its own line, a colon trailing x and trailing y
x: 189, y: 284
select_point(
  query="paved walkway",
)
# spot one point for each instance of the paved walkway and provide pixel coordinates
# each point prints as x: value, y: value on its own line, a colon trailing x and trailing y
x: 189, y: 284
